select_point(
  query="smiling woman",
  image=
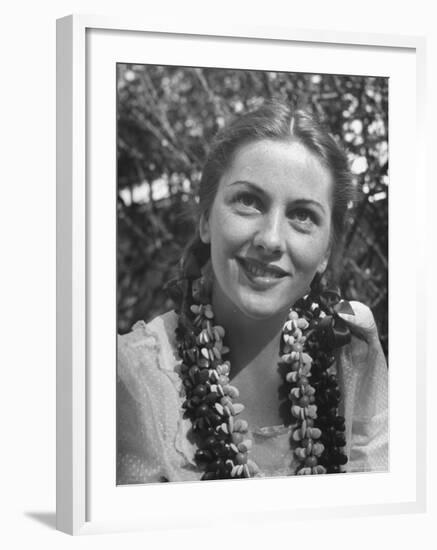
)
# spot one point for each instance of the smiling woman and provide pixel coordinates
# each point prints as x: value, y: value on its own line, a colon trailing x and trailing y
x: 260, y: 370
x: 269, y: 229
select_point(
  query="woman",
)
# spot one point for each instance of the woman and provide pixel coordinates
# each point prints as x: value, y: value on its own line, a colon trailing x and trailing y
x: 307, y: 391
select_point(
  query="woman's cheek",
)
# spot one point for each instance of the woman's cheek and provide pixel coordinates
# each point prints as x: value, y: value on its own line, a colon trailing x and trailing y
x: 225, y: 240
x: 232, y: 230
x: 308, y: 251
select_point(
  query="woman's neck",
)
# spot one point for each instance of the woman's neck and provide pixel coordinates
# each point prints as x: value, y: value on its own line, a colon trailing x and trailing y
x: 252, y: 341
x: 254, y: 354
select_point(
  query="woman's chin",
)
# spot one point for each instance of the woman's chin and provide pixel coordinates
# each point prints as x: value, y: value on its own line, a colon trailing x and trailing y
x: 259, y: 311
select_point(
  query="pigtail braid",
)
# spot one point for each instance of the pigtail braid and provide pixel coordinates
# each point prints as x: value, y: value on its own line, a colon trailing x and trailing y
x: 180, y: 289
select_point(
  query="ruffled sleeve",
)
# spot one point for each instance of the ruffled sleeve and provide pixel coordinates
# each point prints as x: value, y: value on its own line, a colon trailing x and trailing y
x: 363, y: 380
x: 149, y: 397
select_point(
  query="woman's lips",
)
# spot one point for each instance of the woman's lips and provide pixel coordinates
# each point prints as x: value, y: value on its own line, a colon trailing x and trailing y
x: 260, y: 272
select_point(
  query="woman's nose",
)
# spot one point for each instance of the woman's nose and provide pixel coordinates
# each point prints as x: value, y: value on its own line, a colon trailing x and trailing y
x: 270, y: 234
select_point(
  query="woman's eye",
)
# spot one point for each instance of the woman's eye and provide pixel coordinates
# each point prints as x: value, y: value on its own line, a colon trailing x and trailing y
x: 302, y: 216
x: 248, y: 200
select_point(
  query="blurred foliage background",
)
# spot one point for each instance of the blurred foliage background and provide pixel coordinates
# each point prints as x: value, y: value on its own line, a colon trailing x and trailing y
x: 166, y: 117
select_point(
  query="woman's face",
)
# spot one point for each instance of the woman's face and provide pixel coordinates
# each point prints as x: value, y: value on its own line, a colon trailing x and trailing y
x: 269, y: 227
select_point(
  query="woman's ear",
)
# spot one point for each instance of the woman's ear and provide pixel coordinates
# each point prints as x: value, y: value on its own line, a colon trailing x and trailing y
x: 324, y: 263
x: 322, y: 267
x: 204, y: 232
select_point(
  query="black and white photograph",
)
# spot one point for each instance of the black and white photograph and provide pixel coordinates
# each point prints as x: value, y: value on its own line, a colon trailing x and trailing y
x: 218, y: 269
x: 252, y: 274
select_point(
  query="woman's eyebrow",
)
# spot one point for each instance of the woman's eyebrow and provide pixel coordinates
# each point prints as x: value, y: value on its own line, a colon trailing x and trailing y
x: 295, y: 202
x: 307, y: 202
x: 249, y: 183
x: 258, y: 189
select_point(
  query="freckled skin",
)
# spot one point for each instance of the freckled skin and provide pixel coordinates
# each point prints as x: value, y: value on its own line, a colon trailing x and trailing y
x: 273, y: 206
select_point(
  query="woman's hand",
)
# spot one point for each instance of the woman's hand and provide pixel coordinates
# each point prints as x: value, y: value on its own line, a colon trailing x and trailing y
x: 362, y: 323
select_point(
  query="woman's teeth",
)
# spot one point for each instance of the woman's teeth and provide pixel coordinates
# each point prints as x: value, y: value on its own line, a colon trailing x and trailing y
x: 258, y: 271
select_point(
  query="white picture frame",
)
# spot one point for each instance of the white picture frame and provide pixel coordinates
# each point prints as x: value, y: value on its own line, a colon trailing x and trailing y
x: 86, y: 503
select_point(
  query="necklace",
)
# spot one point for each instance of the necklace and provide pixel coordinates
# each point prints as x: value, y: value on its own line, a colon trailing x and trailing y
x: 310, y: 335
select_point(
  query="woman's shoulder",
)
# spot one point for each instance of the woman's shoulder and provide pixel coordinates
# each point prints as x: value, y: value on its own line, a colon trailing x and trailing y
x: 151, y: 430
x: 148, y: 345
x: 151, y: 335
x: 143, y: 333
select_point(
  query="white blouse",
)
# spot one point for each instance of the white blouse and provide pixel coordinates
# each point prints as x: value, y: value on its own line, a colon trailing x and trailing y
x: 153, y: 438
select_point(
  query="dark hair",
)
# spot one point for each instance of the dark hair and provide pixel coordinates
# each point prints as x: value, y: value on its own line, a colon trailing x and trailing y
x: 274, y: 120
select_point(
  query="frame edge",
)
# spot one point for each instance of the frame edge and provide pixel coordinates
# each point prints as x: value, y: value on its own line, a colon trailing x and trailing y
x: 71, y: 512
x: 70, y: 280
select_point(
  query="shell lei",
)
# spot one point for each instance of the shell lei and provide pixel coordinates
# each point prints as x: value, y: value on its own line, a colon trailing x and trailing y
x: 211, y: 401
x: 302, y: 396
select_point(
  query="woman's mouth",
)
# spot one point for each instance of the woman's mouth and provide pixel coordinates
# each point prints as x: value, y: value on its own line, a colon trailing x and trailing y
x: 261, y: 273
